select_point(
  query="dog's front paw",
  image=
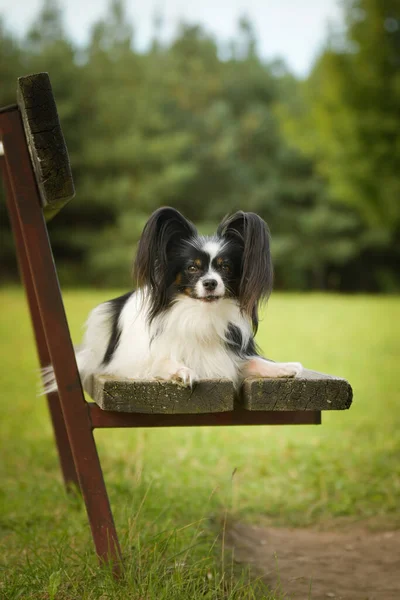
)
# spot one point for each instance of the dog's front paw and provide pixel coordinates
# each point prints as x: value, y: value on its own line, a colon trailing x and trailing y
x: 290, y: 369
x: 175, y: 372
x: 184, y: 377
x: 259, y: 367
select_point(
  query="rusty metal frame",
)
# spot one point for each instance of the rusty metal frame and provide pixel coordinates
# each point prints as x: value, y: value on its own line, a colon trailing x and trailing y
x: 60, y: 432
x: 239, y: 416
x: 47, y: 312
x: 73, y: 418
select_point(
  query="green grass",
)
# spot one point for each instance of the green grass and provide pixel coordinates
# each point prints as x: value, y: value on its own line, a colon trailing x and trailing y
x: 171, y: 490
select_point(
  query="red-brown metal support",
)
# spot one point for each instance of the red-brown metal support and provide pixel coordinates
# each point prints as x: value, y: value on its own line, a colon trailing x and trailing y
x: 26, y: 211
x: 108, y: 419
x: 60, y: 433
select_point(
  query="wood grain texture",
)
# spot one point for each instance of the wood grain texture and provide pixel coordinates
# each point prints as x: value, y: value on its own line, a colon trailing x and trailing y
x: 308, y: 391
x: 160, y: 397
x: 311, y: 391
x: 46, y: 142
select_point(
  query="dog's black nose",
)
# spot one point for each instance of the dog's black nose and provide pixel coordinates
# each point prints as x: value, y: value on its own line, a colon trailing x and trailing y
x: 210, y: 284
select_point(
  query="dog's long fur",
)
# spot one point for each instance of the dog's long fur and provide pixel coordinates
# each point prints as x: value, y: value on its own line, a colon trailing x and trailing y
x: 194, y: 313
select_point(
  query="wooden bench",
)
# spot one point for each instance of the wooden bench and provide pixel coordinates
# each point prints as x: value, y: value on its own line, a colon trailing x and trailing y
x: 311, y: 392
x: 38, y: 182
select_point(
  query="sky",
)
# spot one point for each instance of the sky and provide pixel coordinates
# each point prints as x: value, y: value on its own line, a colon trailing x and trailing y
x: 291, y: 29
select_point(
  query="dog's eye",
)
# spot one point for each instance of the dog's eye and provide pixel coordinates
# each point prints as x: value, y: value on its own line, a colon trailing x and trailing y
x: 193, y: 269
x: 226, y: 268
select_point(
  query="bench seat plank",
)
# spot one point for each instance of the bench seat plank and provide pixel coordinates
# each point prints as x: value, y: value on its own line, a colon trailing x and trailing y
x: 161, y: 397
x: 309, y: 391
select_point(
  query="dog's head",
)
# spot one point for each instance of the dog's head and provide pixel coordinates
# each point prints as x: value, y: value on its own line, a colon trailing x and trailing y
x: 173, y: 260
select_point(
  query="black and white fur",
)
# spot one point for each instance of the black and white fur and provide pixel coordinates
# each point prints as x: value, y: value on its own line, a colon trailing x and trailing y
x: 195, y: 311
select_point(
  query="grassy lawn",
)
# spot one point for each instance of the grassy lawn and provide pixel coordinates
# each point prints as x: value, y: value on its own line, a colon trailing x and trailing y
x: 172, y: 490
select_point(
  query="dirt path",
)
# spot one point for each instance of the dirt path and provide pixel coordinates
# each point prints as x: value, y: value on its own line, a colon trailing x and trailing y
x: 354, y: 564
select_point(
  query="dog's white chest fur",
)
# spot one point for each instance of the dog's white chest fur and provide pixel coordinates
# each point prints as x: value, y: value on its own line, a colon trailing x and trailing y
x: 194, y: 334
x: 191, y: 333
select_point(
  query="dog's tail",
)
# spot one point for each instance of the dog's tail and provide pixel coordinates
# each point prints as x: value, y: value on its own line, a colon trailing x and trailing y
x: 48, y: 383
x: 48, y: 379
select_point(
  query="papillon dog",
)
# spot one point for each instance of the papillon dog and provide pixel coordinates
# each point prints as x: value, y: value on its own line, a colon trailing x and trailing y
x: 194, y: 313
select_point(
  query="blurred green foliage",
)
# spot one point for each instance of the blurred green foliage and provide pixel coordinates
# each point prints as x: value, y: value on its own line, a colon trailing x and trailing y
x: 185, y: 126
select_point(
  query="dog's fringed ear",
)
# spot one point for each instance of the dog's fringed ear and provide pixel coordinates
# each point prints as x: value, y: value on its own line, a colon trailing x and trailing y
x: 162, y: 234
x: 252, y: 234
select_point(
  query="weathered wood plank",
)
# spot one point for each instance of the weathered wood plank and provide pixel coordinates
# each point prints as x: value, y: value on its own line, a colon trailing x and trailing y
x: 308, y: 391
x: 161, y: 397
x: 311, y: 391
x: 46, y: 142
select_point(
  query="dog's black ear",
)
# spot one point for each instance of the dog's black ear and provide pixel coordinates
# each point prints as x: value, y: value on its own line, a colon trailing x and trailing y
x: 251, y: 233
x: 163, y: 233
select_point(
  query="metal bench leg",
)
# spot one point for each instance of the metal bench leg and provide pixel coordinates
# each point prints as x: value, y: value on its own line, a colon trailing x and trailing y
x: 25, y: 198
x: 60, y: 432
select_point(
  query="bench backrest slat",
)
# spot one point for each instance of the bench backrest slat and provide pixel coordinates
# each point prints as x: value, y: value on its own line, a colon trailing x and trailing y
x: 46, y: 142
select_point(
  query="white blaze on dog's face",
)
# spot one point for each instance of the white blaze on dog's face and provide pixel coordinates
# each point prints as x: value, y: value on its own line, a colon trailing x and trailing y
x: 207, y: 270
x: 210, y: 285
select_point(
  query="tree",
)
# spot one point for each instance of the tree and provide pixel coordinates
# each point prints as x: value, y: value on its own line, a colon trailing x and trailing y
x: 349, y: 124
x: 179, y: 125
